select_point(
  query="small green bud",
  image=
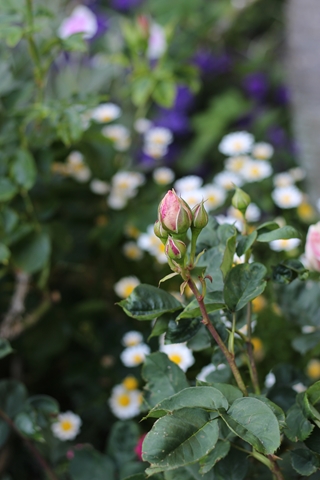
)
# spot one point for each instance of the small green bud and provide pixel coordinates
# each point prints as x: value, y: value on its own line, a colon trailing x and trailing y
x: 176, y: 249
x: 160, y: 232
x: 241, y: 200
x: 200, y: 216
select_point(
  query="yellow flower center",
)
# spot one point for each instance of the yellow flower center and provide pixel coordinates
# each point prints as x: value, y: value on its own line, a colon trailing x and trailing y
x: 237, y: 145
x: 124, y: 400
x: 128, y: 290
x: 138, y: 358
x: 286, y: 199
x: 305, y: 211
x: 106, y: 117
x: 66, y: 425
x: 258, y: 304
x: 130, y: 383
x: 313, y: 369
x: 255, y: 171
x: 175, y: 358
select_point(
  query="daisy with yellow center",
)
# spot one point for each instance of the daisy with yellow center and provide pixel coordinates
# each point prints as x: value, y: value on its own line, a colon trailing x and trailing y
x: 255, y: 171
x: 67, y: 426
x: 284, y: 244
x: 258, y: 304
x: 163, y: 175
x: 262, y: 151
x: 106, y: 112
x: 179, y: 354
x: 152, y: 244
x: 132, y: 338
x: 306, y: 212
x: 236, y: 143
x: 287, y: 197
x: 125, y: 403
x: 130, y: 383
x: 135, y: 355
x: 125, y: 286
x: 132, y: 251
x: 214, y: 196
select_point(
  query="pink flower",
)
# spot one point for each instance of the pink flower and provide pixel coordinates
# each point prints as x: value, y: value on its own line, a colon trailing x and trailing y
x: 70, y: 454
x: 174, y: 214
x: 312, y: 250
x: 138, y: 447
x: 81, y: 20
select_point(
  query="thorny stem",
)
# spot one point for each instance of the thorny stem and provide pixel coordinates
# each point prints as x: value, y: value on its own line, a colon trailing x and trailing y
x: 207, y: 322
x: 30, y: 446
x: 252, y: 363
x: 275, y: 468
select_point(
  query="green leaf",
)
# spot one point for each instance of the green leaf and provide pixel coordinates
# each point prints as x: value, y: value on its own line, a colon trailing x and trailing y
x: 183, y: 330
x: 164, y: 93
x: 5, y: 348
x: 23, y: 169
x: 267, y: 227
x: 245, y: 243
x: 233, y: 467
x: 160, y: 326
x: 213, y: 301
x: 279, y: 413
x: 208, y: 398
x: 4, y: 432
x: 88, y: 463
x: 12, y: 397
x: 31, y: 254
x: 313, y: 441
x: 229, y: 252
x: 304, y: 461
x: 141, y: 90
x: 243, y: 283
x: 313, y: 393
x: 220, y: 451
x: 298, y: 426
x: 7, y: 190
x: 164, y: 378
x: 306, y: 342
x: 4, y: 253
x: 180, y: 439
x: 123, y: 439
x: 229, y: 391
x: 278, y: 234
x: 75, y: 43
x: 147, y: 302
x: 253, y: 421
x: 13, y: 35
x: 26, y: 424
x: 190, y: 472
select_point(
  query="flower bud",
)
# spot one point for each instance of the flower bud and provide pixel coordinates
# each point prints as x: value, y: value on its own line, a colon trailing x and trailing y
x: 175, y: 214
x: 200, y: 216
x: 160, y: 232
x: 176, y: 249
x: 312, y: 250
x: 241, y: 200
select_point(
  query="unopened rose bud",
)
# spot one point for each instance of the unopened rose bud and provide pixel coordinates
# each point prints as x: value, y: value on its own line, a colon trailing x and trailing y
x: 312, y: 250
x: 174, y: 213
x: 241, y: 200
x: 200, y: 216
x: 176, y: 249
x: 160, y: 232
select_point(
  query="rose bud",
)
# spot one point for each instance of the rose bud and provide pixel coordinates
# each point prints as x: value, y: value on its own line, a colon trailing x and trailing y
x: 176, y: 249
x: 312, y: 250
x: 160, y: 232
x: 174, y: 213
x: 241, y: 200
x: 200, y: 216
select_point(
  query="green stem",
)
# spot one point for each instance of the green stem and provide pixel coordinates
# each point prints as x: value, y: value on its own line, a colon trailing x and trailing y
x: 42, y: 462
x: 195, y: 234
x: 231, y: 336
x: 252, y: 363
x: 207, y: 322
x: 33, y: 50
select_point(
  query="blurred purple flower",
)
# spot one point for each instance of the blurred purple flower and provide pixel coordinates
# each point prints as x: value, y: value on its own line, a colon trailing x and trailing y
x: 277, y: 136
x: 210, y: 63
x: 184, y: 99
x: 177, y: 122
x: 282, y: 95
x: 125, y: 5
x: 256, y: 85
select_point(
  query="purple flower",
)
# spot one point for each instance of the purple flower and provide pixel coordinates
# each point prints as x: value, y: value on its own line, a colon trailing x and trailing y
x: 177, y: 122
x: 125, y: 5
x: 277, y: 136
x: 82, y: 20
x: 282, y: 95
x: 256, y: 85
x: 184, y: 98
x: 212, y: 64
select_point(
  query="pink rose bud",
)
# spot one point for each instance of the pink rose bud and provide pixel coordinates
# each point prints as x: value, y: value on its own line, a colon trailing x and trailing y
x: 160, y: 232
x: 176, y: 249
x: 312, y: 250
x: 200, y: 216
x: 174, y: 213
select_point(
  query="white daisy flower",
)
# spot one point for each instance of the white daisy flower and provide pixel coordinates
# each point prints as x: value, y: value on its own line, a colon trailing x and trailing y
x: 135, y: 355
x: 141, y: 125
x: 188, y: 183
x: 180, y: 354
x: 253, y: 213
x: 284, y: 244
x: 214, y: 196
x: 255, y: 171
x: 158, y: 136
x: 236, y: 164
x: 157, y: 42
x: 284, y: 179
x: 228, y: 180
x: 119, y: 135
x: 106, y: 112
x: 117, y: 201
x: 124, y: 183
x: 66, y: 426
x: 287, y: 197
x: 299, y: 387
x: 125, y: 286
x: 132, y: 338
x: 193, y: 197
x: 297, y: 173
x: 270, y: 380
x: 205, y: 371
x: 132, y: 251
x: 236, y: 143
x: 99, y: 187
x: 154, y: 150
x: 262, y: 151
x: 125, y: 403
x: 82, y: 20
x: 152, y: 244
x: 75, y: 158
x: 163, y: 175
x: 76, y: 167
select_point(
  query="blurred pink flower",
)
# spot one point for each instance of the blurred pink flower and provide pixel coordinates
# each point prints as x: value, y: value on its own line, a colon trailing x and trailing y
x: 138, y: 447
x: 70, y: 454
x: 312, y: 250
x: 81, y: 20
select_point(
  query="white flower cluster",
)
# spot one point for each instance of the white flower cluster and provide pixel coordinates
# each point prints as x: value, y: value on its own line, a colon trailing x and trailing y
x: 156, y: 142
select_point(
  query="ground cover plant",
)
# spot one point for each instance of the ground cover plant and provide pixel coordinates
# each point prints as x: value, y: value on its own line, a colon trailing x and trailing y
x: 159, y: 253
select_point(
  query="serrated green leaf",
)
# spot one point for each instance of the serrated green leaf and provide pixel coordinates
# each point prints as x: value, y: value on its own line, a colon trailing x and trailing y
x: 233, y: 467
x: 229, y: 391
x: 163, y: 378
x: 220, y: 451
x: 253, y: 421
x: 147, y: 302
x: 298, y: 426
x: 213, y: 301
x: 279, y: 413
x: 243, y: 283
x: 278, y: 234
x: 304, y: 461
x: 180, y: 439
x: 245, y: 243
x: 23, y: 169
x: 206, y: 397
x: 229, y: 252
x: 183, y: 330
x: 313, y: 393
x: 313, y: 441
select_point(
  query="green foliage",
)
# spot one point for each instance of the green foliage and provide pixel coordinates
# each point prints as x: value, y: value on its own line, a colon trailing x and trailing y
x: 244, y: 283
x: 88, y: 462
